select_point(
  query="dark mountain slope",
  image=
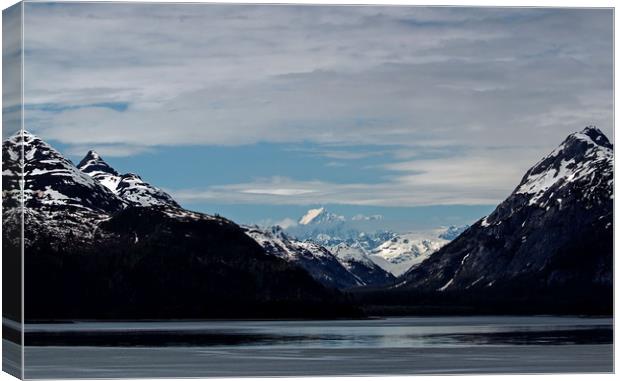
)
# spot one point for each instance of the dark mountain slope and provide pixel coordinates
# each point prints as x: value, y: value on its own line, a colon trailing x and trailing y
x: 315, y: 259
x: 547, y: 247
x: 91, y: 254
x: 150, y: 263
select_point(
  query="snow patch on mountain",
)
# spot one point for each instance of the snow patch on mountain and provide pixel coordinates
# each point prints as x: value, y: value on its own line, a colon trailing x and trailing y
x: 392, y: 252
x: 329, y: 229
x: 358, y: 261
x: 317, y: 260
x: 93, y: 165
x: 350, y: 254
x: 402, y: 252
x: 51, y: 180
x: 61, y: 200
x: 570, y: 162
x: 57, y: 198
x: 129, y: 187
x: 138, y: 192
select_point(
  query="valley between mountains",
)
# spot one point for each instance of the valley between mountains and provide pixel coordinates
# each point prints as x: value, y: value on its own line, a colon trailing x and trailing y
x: 99, y: 244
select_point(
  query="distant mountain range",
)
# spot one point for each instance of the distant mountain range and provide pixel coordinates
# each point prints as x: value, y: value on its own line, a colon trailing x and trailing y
x: 393, y: 252
x: 330, y: 229
x: 100, y: 244
x: 340, y: 267
x: 339, y: 255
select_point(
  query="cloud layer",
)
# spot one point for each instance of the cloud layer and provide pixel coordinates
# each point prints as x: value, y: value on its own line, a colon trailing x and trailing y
x: 398, y: 78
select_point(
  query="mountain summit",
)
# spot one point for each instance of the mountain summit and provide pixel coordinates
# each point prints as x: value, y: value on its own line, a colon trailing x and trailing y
x: 51, y: 181
x: 320, y: 216
x: 129, y: 187
x: 93, y: 165
x: 582, y: 161
x: 549, y: 242
x: 93, y: 162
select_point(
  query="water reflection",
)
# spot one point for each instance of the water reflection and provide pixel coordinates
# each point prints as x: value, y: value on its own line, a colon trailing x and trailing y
x: 396, y: 346
x: 392, y: 333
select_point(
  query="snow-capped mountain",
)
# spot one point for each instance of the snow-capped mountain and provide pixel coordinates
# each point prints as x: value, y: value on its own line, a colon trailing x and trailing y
x: 331, y: 237
x: 53, y: 182
x: 314, y: 258
x: 129, y: 187
x: 402, y: 252
x: 550, y: 240
x: 357, y: 260
x: 320, y: 216
x: 394, y: 253
x: 582, y: 162
x: 58, y: 198
x: 330, y: 229
x: 93, y: 165
x: 133, y: 189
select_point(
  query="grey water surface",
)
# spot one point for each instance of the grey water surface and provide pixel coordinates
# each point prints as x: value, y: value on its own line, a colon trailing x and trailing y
x: 395, y: 346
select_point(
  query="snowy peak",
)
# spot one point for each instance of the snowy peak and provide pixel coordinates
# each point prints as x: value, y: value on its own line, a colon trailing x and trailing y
x: 273, y: 240
x: 595, y: 136
x: 93, y: 163
x: 310, y: 216
x: 129, y: 187
x: 34, y: 148
x: 318, y: 216
x: 351, y: 253
x: 54, y: 182
x: 51, y: 181
x: 583, y: 161
x: 403, y: 252
x: 134, y: 190
x: 357, y: 260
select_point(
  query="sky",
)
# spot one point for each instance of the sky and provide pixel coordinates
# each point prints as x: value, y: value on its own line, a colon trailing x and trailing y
x: 428, y: 116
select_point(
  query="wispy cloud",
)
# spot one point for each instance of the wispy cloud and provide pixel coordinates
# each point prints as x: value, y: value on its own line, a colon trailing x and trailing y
x: 477, y: 178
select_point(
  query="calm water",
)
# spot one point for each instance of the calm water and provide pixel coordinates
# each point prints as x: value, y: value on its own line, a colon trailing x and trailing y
x: 421, y: 345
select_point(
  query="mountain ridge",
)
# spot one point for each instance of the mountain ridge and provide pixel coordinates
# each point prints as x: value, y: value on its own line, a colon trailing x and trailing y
x: 129, y: 186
